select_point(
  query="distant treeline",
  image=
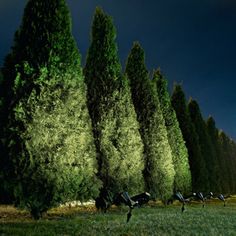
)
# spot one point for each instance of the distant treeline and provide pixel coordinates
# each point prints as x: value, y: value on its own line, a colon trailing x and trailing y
x: 72, y: 133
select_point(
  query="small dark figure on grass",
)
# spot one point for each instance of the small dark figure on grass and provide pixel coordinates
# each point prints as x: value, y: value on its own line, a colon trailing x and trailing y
x: 179, y: 196
x: 202, y: 198
x: 132, y: 202
x: 222, y: 198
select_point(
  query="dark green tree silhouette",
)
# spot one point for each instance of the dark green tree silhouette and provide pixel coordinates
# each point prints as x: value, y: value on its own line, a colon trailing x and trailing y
x: 179, y: 151
x: 228, y: 163
x: 220, y: 168
x: 159, y: 170
x: 207, y: 149
x: 116, y: 129
x: 197, y: 164
x: 4, y: 195
x: 51, y: 154
x: 233, y: 161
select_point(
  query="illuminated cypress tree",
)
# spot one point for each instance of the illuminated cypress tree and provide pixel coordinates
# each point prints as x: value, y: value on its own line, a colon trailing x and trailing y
x: 52, y: 156
x: 197, y: 164
x: 207, y: 150
x: 159, y: 171
x: 179, y: 151
x: 116, y: 130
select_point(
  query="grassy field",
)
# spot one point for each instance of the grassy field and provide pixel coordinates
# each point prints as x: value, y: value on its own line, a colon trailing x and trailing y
x: 153, y: 219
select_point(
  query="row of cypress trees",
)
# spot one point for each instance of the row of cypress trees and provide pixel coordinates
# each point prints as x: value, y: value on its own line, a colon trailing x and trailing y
x: 68, y: 134
x: 211, y: 152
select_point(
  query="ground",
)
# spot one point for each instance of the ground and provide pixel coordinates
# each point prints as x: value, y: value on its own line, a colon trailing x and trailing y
x: 152, y: 219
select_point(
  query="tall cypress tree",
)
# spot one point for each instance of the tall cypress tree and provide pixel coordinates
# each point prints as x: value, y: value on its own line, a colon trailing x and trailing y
x: 220, y: 167
x: 159, y: 171
x: 1, y: 76
x: 179, y: 151
x: 227, y: 163
x: 197, y: 164
x: 48, y: 134
x: 207, y: 150
x: 233, y: 161
x: 3, y: 195
x: 116, y: 130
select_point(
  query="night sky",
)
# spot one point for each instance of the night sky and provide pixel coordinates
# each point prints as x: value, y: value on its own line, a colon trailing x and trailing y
x: 193, y: 41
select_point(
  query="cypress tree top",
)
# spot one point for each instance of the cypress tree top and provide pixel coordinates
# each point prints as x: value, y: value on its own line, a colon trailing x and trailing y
x: 211, y: 126
x: 161, y: 85
x: 178, y: 100
x: 102, y: 63
x: 44, y: 40
x: 136, y: 64
x: 44, y: 37
x: 143, y: 94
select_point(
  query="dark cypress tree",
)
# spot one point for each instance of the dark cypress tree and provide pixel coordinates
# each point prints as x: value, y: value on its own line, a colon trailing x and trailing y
x: 48, y: 135
x: 207, y: 150
x: 233, y: 161
x: 179, y: 151
x: 116, y: 130
x: 220, y: 168
x: 5, y: 197
x: 1, y: 76
x: 197, y: 164
x: 159, y: 169
x: 228, y: 185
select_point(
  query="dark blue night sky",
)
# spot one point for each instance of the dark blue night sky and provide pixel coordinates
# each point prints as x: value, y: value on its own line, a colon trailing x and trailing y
x: 193, y: 41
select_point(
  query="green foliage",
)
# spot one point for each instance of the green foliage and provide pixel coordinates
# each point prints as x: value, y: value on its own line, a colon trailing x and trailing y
x: 220, y: 169
x: 179, y: 151
x: 102, y: 69
x: 51, y: 153
x: 207, y: 150
x: 228, y: 162
x: 46, y: 32
x: 115, y: 126
x: 159, y: 170
x: 56, y: 159
x: 197, y: 164
x: 47, y: 146
x: 44, y: 40
x: 120, y: 145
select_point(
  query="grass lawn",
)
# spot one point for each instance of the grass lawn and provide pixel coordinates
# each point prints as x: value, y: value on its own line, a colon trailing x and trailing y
x: 153, y: 219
